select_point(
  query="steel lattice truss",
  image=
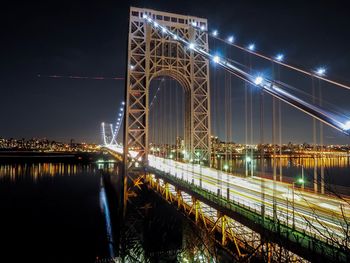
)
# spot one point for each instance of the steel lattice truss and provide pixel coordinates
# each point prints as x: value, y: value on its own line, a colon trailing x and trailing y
x: 151, y: 54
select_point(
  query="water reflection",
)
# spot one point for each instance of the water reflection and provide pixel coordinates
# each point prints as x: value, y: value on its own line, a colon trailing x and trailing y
x: 56, y: 203
x: 34, y: 171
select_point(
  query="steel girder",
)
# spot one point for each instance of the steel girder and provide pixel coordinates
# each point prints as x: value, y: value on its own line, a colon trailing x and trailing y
x: 152, y: 54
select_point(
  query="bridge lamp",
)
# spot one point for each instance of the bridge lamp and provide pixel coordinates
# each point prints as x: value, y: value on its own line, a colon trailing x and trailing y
x: 226, y: 167
x: 120, y: 114
x: 191, y: 46
x: 171, y: 156
x: 230, y: 39
x: 132, y: 67
x: 258, y: 80
x: 164, y: 30
x: 202, y: 28
x: 216, y: 59
x: 301, y: 181
x: 175, y: 37
x: 215, y: 33
x: 123, y: 103
x: 279, y: 57
x: 251, y: 47
x: 321, y: 71
x: 144, y: 16
x: 248, y: 159
x: 194, y: 23
x: 346, y: 126
x: 155, y: 24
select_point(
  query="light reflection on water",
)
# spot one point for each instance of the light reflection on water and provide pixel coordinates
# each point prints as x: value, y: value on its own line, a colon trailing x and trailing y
x: 35, y: 171
x: 59, y: 205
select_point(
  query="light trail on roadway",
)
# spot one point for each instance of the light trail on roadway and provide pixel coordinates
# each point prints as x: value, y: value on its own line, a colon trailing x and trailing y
x: 317, y: 215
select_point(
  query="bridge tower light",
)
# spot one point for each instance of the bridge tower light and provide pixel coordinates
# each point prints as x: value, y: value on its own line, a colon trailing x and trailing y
x: 215, y: 33
x: 191, y: 46
x: 216, y: 59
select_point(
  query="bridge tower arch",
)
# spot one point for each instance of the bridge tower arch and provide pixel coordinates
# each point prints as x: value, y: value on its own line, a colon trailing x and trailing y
x: 152, y: 53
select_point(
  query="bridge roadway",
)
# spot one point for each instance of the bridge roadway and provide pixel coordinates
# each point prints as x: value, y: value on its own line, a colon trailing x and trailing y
x: 315, y: 214
x: 318, y: 216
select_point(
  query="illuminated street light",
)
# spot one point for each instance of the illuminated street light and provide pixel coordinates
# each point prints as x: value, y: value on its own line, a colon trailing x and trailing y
x: 164, y: 30
x: 194, y: 23
x: 202, y: 28
x: 132, y: 67
x: 225, y: 167
x: 301, y: 181
x: 248, y: 159
x: 230, y: 39
x: 123, y: 103
x: 144, y: 16
x: 279, y: 57
x: 215, y: 33
x: 175, y: 37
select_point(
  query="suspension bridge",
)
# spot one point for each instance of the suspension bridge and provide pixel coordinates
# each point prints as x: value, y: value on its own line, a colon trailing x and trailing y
x: 248, y: 213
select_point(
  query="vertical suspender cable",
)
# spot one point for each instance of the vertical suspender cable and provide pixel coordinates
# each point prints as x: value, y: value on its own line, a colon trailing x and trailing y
x: 314, y: 123
x: 321, y: 141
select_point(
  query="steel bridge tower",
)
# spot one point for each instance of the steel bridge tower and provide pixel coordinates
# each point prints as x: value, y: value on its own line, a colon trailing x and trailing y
x: 152, y: 54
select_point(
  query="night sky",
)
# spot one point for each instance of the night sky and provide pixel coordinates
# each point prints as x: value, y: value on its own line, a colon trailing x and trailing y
x: 88, y: 38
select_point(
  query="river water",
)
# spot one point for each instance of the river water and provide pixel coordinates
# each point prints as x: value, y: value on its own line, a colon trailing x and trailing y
x: 51, y: 212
